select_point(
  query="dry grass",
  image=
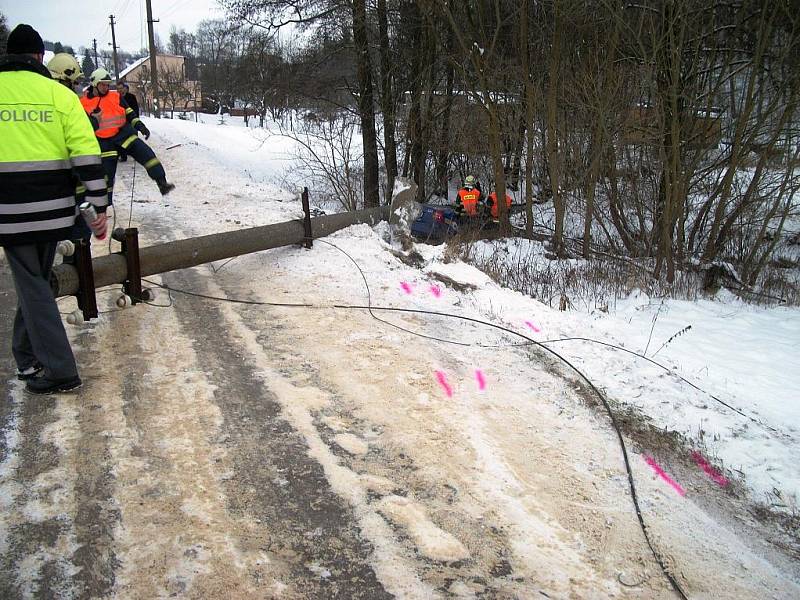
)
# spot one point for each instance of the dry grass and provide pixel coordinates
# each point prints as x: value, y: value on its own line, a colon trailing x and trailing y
x: 599, y: 282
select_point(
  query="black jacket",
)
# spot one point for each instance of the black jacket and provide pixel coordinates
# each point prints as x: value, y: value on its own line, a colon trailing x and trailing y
x: 132, y: 102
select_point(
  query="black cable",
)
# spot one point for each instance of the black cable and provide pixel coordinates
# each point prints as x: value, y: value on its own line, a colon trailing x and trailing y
x: 113, y: 224
x: 369, y: 299
x: 133, y: 187
x: 97, y: 291
x: 668, y: 370
x: 231, y: 300
x: 468, y: 344
x: 370, y: 308
x: 675, y: 585
x: 648, y: 359
x: 471, y: 344
x: 218, y: 269
x: 130, y: 209
x: 169, y: 295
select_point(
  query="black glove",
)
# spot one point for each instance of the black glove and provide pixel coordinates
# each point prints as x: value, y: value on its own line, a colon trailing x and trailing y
x: 145, y: 132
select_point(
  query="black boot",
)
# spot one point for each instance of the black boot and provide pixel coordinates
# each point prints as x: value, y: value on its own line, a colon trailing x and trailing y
x: 164, y: 187
x: 45, y: 385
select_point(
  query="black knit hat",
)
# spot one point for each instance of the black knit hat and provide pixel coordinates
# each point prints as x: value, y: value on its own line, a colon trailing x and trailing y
x: 24, y: 40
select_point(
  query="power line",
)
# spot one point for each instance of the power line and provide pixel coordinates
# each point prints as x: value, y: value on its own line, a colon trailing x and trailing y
x: 124, y: 9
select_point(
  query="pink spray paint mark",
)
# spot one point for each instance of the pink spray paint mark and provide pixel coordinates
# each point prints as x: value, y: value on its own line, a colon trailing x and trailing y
x: 715, y: 475
x: 436, y: 290
x: 532, y: 326
x: 406, y: 287
x: 440, y: 376
x: 660, y: 472
x: 481, y: 379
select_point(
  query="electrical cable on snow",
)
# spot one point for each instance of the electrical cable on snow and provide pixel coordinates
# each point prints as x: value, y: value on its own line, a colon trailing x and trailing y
x: 673, y: 582
x: 133, y: 187
x: 370, y: 308
x: 671, y: 372
x: 651, y: 361
x: 473, y: 344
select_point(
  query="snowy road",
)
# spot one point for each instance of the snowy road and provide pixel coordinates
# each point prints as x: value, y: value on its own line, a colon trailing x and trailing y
x: 223, y: 450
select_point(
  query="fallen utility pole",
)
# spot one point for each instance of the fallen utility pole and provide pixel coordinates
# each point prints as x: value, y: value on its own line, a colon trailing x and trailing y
x: 182, y: 254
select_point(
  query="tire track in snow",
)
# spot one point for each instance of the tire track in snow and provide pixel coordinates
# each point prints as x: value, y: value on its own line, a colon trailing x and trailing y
x: 429, y: 507
x: 36, y: 489
x: 176, y: 536
x: 277, y: 479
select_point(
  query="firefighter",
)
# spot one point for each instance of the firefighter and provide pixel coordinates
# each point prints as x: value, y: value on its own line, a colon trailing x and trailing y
x: 65, y: 69
x: 116, y: 123
x: 469, y: 198
x: 124, y: 91
x: 45, y: 137
x: 474, y: 182
x: 491, y: 202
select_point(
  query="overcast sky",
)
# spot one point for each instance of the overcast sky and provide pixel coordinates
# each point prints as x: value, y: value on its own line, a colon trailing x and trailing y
x: 76, y: 22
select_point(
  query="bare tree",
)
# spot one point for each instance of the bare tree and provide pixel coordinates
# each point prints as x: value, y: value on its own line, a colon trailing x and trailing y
x: 176, y: 91
x: 327, y: 16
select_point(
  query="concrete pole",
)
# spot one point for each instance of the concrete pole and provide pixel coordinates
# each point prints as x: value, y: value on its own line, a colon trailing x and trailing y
x: 182, y: 254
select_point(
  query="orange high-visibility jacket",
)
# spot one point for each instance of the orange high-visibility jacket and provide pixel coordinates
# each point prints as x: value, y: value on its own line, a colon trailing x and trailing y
x: 493, y: 203
x: 469, y: 200
x: 112, y: 114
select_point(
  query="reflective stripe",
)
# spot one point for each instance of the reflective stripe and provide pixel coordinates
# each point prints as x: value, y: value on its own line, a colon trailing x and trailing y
x: 34, y: 207
x: 100, y: 200
x: 109, y: 153
x: 113, y: 122
x: 34, y: 165
x: 37, y: 225
x: 128, y: 110
x: 129, y: 141
x: 136, y: 120
x: 95, y: 184
x: 152, y: 163
x: 82, y: 161
x: 80, y: 189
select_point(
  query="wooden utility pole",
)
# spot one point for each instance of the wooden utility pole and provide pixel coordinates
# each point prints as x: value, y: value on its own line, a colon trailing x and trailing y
x: 153, y: 67
x: 114, y: 47
x: 94, y: 45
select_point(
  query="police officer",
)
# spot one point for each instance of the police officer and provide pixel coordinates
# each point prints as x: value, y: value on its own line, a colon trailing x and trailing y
x: 116, y: 131
x: 45, y: 135
x: 124, y: 91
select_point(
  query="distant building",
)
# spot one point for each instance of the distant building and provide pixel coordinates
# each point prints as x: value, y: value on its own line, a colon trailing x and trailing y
x: 176, y: 92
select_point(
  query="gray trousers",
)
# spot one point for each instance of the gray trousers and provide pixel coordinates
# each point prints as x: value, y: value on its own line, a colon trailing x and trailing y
x: 38, y: 331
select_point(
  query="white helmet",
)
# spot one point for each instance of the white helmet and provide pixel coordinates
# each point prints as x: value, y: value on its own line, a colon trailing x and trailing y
x: 64, y: 67
x: 100, y: 75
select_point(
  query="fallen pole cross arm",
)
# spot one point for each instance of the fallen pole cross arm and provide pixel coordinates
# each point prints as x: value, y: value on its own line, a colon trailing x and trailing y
x: 182, y: 254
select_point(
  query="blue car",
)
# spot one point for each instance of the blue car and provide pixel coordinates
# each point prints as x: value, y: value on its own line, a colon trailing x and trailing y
x: 435, y: 223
